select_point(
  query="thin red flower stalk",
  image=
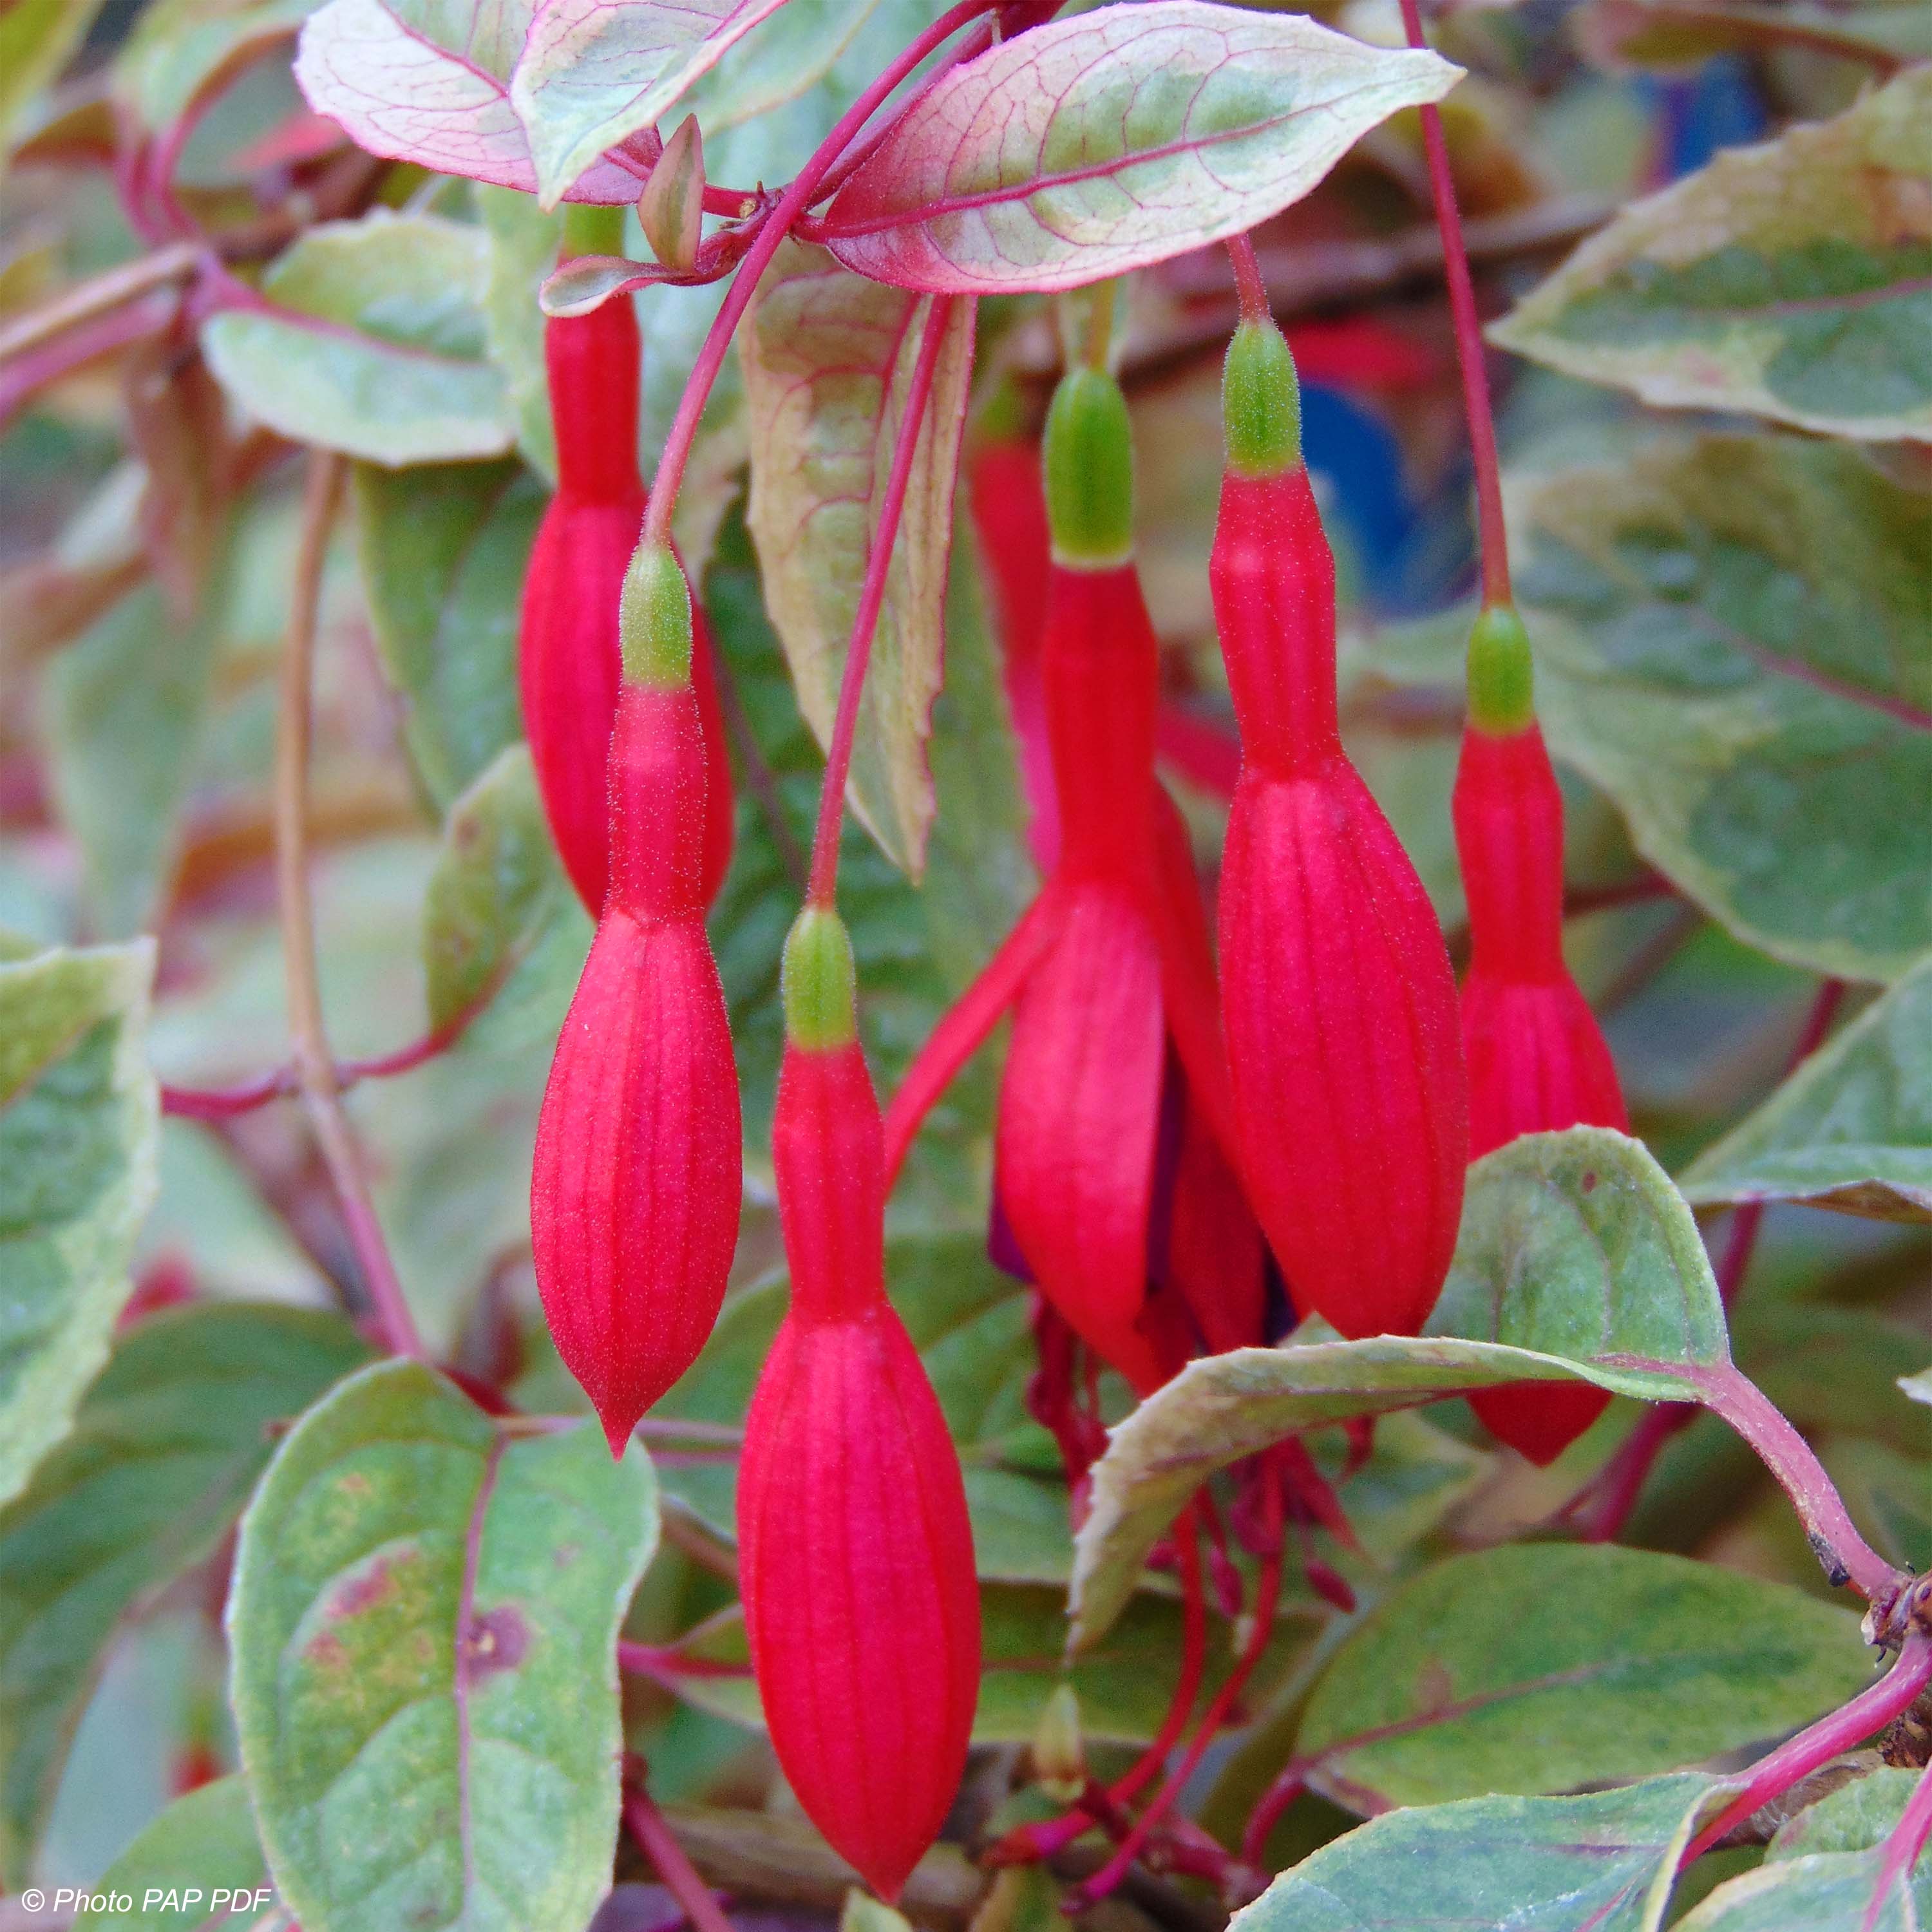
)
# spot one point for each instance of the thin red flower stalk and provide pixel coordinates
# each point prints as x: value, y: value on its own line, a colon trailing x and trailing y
x: 1268, y: 1590
x: 777, y: 225
x: 1029, y: 1844
x: 822, y: 889
x: 221, y: 1103
x: 1496, y: 591
x: 672, y: 1864
x: 636, y: 1185
x: 1350, y: 1101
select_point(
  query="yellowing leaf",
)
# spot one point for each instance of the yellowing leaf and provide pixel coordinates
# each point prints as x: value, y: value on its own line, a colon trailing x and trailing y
x: 827, y: 356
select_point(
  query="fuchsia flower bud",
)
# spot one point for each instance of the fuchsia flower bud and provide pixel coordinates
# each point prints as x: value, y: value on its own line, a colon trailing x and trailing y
x: 1336, y: 992
x: 568, y: 650
x: 635, y: 1189
x: 1537, y: 1057
x: 855, y: 1553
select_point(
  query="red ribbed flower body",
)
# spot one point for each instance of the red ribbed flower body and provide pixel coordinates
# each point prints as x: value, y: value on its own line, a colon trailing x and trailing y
x: 634, y: 1193
x: 568, y: 655
x: 1124, y: 963
x: 1339, y: 1006
x: 856, y: 1555
x: 1537, y: 1057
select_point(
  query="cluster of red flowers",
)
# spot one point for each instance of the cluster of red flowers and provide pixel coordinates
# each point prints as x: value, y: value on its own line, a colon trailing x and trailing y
x: 1180, y: 1121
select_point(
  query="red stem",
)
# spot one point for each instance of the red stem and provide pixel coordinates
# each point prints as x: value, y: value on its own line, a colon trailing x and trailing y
x: 1902, y: 1849
x: 1851, y: 1724
x: 824, y: 880
x: 777, y: 225
x: 646, y: 1824
x: 1602, y: 1506
x: 1268, y: 1590
x: 1468, y: 344
x: 221, y: 1103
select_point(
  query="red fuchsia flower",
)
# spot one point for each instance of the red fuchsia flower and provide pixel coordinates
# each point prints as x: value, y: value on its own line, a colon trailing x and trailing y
x: 1537, y: 1057
x: 1111, y: 964
x: 855, y: 1553
x: 1339, y: 1005
x: 634, y: 1192
x: 567, y: 655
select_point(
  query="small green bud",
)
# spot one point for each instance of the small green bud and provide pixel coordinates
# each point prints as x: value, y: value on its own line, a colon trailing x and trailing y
x: 670, y: 211
x: 1059, y: 1755
x: 654, y: 619
x: 1261, y: 403
x: 590, y: 228
x: 1090, y: 471
x: 1502, y: 695
x: 818, y: 983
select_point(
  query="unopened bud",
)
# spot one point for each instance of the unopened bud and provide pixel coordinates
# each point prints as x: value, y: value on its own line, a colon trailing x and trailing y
x: 1089, y: 462
x: 654, y: 619
x: 817, y: 983
x: 671, y: 209
x: 1059, y: 1754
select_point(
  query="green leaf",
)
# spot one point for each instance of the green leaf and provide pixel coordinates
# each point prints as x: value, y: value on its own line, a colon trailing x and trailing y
x: 1854, y: 1818
x: 523, y: 243
x: 970, y: 1323
x: 1851, y: 1129
x: 36, y: 38
x: 786, y: 54
x: 501, y: 922
x: 1831, y: 1892
x: 128, y: 702
x: 1115, y: 139
x: 166, y: 1446
x: 1124, y: 1684
x: 826, y: 357
x: 202, y: 1844
x: 1603, y: 1863
x: 1573, y: 1245
x: 1669, y: 35
x: 1538, y: 1667
x: 917, y: 950
x: 594, y: 72
x: 78, y: 1117
x: 1793, y: 280
x: 370, y: 340
x: 1731, y: 642
x: 423, y: 1625
x: 178, y: 49
x: 443, y: 550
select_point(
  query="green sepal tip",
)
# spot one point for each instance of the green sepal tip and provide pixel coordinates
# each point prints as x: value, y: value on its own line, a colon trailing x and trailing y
x: 818, y: 983
x: 1502, y: 677
x: 1261, y: 403
x: 654, y: 619
x: 1089, y: 461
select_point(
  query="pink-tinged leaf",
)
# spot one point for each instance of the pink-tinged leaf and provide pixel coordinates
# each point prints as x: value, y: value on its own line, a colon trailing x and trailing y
x: 594, y: 72
x: 1099, y: 144
x: 402, y: 84
x: 826, y: 357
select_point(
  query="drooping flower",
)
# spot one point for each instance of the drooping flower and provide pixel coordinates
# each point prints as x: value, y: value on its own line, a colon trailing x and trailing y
x: 855, y: 1553
x: 1111, y: 964
x: 1537, y: 1057
x: 635, y: 1188
x: 569, y: 657
x: 1343, y: 1046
